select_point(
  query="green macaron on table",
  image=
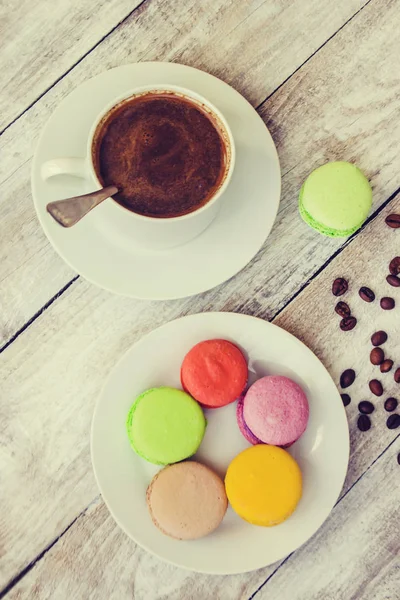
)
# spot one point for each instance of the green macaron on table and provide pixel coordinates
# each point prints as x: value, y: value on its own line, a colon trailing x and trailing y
x: 335, y: 199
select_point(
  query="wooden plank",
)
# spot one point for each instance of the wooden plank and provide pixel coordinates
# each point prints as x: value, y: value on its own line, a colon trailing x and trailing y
x: 355, y: 555
x: 339, y: 106
x: 357, y: 552
x: 100, y: 305
x: 36, y: 400
x: 42, y: 40
x: 96, y: 546
x: 54, y: 371
x: 249, y: 44
x: 311, y: 318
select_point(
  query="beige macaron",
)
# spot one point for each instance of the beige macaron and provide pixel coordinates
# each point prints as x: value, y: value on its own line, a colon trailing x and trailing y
x: 186, y: 500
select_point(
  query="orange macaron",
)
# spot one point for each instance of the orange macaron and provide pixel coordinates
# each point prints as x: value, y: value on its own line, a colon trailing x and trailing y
x: 214, y: 373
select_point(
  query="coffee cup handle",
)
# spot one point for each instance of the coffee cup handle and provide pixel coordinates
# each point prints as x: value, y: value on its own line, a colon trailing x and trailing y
x: 64, y: 166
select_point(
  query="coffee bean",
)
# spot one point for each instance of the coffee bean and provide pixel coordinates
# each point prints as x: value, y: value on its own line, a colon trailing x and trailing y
x: 397, y: 375
x: 366, y: 407
x: 346, y: 399
x: 377, y: 356
x: 339, y: 286
x: 393, y: 280
x: 387, y: 303
x: 393, y: 221
x: 347, y: 378
x: 348, y: 323
x: 386, y: 365
x: 363, y: 423
x: 366, y: 294
x: 394, y: 265
x: 391, y: 404
x: 376, y: 387
x: 379, y: 338
x: 393, y: 422
x: 343, y: 309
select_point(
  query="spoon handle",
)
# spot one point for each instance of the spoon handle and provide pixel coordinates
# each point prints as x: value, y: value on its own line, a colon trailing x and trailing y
x: 71, y: 210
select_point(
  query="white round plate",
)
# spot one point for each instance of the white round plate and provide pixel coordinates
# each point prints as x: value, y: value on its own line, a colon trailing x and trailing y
x: 98, y: 251
x: 322, y: 452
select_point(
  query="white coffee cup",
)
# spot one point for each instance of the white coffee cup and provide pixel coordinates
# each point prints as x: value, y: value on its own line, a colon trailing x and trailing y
x: 152, y: 232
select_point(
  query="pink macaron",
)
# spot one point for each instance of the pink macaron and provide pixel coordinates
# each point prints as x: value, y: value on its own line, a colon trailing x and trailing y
x: 244, y: 430
x: 275, y: 410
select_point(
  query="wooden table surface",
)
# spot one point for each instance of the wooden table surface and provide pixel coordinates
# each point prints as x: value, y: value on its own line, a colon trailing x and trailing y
x: 325, y: 78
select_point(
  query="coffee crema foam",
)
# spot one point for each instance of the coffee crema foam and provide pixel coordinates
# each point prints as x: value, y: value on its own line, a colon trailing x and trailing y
x: 166, y: 154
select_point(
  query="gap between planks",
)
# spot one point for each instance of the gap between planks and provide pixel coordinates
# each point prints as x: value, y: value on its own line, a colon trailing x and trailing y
x: 42, y: 554
x: 11, y: 584
x: 104, y: 37
x: 101, y: 40
x: 313, y: 54
x: 74, y: 279
x: 39, y: 557
x: 56, y: 296
x: 137, y: 8
x: 338, y: 502
x: 274, y: 316
x: 336, y: 253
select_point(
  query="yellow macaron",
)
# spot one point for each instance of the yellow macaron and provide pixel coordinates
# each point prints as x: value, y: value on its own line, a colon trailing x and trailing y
x: 263, y: 484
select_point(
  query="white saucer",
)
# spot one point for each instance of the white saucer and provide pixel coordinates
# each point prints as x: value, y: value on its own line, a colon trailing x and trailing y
x: 322, y: 452
x: 98, y: 251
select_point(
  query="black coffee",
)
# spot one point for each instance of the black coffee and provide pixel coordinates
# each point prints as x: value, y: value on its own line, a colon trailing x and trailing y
x: 164, y: 152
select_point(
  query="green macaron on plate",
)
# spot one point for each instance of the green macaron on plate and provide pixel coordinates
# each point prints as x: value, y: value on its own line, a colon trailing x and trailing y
x: 142, y: 413
x: 165, y: 425
x: 335, y: 199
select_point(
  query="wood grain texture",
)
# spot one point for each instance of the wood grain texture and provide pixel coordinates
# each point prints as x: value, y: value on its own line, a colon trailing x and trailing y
x: 252, y: 45
x: 42, y: 40
x: 55, y: 370
x: 95, y: 545
x: 354, y: 556
x: 311, y: 318
x: 64, y: 412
